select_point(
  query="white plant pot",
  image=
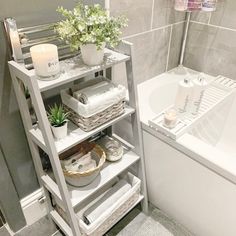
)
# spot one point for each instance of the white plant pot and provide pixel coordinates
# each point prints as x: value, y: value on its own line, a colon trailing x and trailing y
x: 60, y: 132
x: 90, y: 55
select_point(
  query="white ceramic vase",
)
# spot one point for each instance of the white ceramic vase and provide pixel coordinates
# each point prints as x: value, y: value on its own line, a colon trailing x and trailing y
x: 60, y: 132
x: 90, y: 55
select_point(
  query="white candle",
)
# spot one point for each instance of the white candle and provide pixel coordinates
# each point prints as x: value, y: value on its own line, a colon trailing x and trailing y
x: 170, y: 118
x: 16, y: 47
x: 45, y: 60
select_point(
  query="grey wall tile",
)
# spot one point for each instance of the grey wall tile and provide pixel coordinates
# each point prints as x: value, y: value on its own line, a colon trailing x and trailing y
x: 225, y: 14
x: 150, y: 53
x: 164, y: 13
x: 202, y: 17
x: 211, y: 50
x: 138, y: 13
x: 175, y: 46
x: 36, y: 12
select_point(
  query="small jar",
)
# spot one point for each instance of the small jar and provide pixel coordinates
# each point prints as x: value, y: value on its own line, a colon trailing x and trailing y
x: 170, y: 118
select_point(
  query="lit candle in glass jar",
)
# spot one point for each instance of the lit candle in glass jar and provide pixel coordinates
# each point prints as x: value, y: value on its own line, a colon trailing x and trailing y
x: 170, y: 118
x: 45, y: 61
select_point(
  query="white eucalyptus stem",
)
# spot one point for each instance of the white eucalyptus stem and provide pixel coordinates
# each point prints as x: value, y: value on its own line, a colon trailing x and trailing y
x: 107, y: 7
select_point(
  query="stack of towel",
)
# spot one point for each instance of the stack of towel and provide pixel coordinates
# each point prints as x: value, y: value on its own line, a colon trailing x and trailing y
x: 111, y: 196
x: 100, y: 96
x: 88, y: 94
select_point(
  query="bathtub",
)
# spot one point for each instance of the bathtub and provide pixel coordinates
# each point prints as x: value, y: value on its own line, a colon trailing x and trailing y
x: 193, y: 179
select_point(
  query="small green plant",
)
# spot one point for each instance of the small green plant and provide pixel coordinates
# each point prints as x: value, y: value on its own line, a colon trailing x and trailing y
x: 89, y: 24
x: 57, y: 116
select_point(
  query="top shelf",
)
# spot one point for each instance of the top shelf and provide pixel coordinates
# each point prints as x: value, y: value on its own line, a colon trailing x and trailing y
x: 72, y: 69
x: 76, y: 69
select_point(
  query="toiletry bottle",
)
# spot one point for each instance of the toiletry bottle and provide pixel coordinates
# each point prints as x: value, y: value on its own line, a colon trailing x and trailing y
x: 181, y: 5
x: 183, y: 97
x: 194, y: 5
x: 209, y: 5
x: 200, y: 85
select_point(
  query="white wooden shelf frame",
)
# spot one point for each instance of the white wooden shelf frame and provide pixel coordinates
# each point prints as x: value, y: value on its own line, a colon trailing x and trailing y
x: 43, y: 137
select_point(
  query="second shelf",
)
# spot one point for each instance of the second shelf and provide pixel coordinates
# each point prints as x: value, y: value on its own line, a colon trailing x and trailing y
x: 75, y: 134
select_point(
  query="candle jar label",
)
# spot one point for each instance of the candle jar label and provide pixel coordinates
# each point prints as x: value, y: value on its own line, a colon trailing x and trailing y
x: 53, y: 66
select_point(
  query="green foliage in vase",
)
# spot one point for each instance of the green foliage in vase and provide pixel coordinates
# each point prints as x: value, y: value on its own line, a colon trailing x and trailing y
x: 89, y: 24
x: 57, y: 116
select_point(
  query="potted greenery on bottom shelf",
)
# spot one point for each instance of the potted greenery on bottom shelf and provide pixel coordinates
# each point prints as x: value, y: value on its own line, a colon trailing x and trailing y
x: 58, y: 120
x: 90, y: 28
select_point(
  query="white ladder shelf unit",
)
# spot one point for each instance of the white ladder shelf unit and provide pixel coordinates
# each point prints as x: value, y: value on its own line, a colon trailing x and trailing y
x: 40, y: 135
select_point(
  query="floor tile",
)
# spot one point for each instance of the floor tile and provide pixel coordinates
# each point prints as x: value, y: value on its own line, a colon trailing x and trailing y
x: 44, y: 227
x: 4, y: 232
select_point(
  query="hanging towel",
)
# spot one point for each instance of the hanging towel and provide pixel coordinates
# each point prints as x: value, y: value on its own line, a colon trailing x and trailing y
x: 112, y: 195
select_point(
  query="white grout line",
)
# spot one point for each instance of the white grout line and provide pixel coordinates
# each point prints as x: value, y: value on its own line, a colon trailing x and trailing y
x: 153, y: 30
x: 168, y: 53
x: 152, y: 13
x: 55, y: 232
x: 215, y: 26
x: 209, y: 20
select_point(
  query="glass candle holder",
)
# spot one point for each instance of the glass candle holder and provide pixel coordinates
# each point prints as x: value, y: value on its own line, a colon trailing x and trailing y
x: 170, y: 118
x: 45, y: 61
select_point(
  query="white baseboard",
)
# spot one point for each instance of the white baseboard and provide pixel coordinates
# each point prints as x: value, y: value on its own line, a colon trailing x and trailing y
x: 32, y: 208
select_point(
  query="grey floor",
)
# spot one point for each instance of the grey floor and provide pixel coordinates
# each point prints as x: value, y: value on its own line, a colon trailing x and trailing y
x: 156, y: 223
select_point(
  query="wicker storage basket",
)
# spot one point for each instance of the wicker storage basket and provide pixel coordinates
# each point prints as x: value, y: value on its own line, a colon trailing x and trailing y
x: 100, y: 226
x: 92, y: 122
x: 113, y: 214
x: 88, y: 119
x: 79, y: 179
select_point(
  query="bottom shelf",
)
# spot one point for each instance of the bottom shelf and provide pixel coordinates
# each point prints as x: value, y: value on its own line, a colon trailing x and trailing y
x: 102, y: 212
x: 61, y: 223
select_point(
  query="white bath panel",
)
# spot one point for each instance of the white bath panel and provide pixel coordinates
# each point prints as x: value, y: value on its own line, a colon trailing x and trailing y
x: 216, y: 94
x: 198, y: 198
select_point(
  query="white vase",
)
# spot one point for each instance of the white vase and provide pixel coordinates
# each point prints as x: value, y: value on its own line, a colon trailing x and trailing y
x: 60, y: 132
x: 91, y: 55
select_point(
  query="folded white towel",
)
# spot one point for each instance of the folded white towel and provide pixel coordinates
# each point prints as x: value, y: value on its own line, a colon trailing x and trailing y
x: 112, y: 195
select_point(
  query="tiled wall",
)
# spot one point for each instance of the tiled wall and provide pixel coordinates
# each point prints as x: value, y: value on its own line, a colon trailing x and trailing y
x: 155, y: 29
x: 211, y: 45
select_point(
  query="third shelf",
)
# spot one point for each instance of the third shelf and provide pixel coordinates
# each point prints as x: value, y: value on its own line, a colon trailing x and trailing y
x: 109, y: 171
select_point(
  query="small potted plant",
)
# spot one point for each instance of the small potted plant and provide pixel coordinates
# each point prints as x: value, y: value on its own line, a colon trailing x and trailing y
x: 58, y: 120
x: 90, y: 29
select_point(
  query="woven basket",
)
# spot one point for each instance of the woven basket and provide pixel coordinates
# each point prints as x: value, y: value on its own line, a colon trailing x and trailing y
x: 84, y: 178
x: 111, y: 216
x: 119, y: 208
x: 92, y: 122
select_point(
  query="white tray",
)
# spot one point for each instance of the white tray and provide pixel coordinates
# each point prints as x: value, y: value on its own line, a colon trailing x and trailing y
x: 217, y: 92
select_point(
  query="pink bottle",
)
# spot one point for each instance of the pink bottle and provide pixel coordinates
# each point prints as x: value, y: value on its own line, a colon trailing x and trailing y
x: 194, y: 5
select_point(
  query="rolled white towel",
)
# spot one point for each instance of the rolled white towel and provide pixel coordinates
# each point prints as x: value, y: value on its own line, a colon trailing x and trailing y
x: 86, y: 94
x: 112, y: 195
